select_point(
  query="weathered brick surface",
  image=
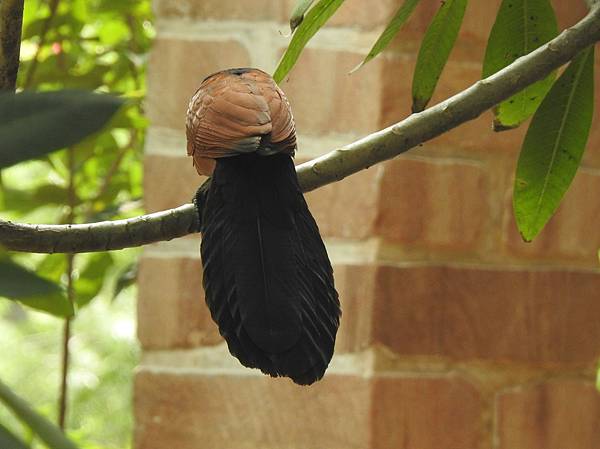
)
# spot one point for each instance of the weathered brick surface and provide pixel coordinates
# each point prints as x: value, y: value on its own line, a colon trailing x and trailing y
x: 171, y: 308
x: 355, y: 13
x: 554, y: 415
x: 433, y: 203
x: 330, y: 205
x: 342, y: 411
x: 221, y: 9
x: 541, y: 317
x: 475, y: 136
x: 229, y: 411
x: 172, y: 312
x: 425, y: 413
x: 325, y: 99
x: 178, y: 68
x: 449, y: 201
x: 169, y: 181
x: 355, y: 285
x: 425, y: 203
x: 571, y: 234
x: 480, y: 16
x: 591, y: 157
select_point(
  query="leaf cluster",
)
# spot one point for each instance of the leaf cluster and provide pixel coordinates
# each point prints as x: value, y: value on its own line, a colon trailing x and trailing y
x: 72, y: 156
x: 562, y: 111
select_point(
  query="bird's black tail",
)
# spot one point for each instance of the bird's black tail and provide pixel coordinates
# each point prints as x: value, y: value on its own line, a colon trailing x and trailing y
x: 267, y: 278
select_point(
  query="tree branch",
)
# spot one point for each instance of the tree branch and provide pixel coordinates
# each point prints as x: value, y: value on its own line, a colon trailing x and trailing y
x: 331, y: 167
x: 11, y: 21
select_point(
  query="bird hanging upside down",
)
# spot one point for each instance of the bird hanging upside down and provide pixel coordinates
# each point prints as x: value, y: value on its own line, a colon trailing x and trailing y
x: 267, y: 278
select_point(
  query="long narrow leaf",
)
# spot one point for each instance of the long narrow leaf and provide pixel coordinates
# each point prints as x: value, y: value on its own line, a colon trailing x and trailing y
x: 44, y: 429
x: 435, y: 49
x: 10, y: 441
x: 298, y: 13
x: 521, y: 26
x: 33, y: 124
x: 314, y: 20
x: 390, y: 31
x: 20, y: 284
x: 554, y: 145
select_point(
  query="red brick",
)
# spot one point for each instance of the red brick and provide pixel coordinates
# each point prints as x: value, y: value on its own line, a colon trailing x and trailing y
x: 325, y: 99
x: 221, y: 9
x: 591, y: 157
x: 171, y: 298
x: 480, y: 16
x: 355, y: 285
x: 423, y: 204
x: 555, y: 415
x: 571, y: 234
x: 425, y: 413
x: 247, y: 411
x: 171, y: 308
x: 330, y: 205
x: 549, y: 318
x: 178, y: 68
x: 169, y: 181
x: 188, y: 411
x: 475, y: 136
x: 357, y: 13
x: 433, y: 204
x: 569, y: 13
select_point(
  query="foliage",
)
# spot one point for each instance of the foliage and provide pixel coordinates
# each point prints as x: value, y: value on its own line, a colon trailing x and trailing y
x: 60, y: 119
x: 520, y: 27
x: 435, y: 49
x: 315, y: 19
x: 390, y: 31
x: 27, y: 287
x: 105, y: 353
x: 554, y: 145
x: 92, y: 45
x: 43, y: 428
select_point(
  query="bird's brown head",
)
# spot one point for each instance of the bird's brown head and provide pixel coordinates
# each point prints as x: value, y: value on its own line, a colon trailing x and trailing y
x: 238, y: 111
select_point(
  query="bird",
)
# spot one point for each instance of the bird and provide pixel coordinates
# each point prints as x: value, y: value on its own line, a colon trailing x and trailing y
x: 267, y: 278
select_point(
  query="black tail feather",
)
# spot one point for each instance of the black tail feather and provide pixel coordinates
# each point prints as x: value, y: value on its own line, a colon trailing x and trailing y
x: 268, y: 280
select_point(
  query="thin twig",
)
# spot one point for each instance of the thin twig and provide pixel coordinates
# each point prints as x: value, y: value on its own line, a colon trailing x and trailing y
x: 112, y: 170
x: 64, y: 377
x: 332, y: 167
x: 11, y: 22
x: 64, y: 384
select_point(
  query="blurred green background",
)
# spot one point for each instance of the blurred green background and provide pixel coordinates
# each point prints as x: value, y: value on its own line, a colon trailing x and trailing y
x: 97, y: 45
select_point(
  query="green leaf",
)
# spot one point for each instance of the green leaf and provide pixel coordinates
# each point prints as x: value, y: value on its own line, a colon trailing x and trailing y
x: 521, y: 26
x: 44, y: 429
x: 111, y: 33
x: 126, y: 278
x: 9, y: 441
x: 298, y: 13
x: 390, y: 31
x: 33, y: 124
x: 554, y: 145
x: 92, y: 277
x: 435, y: 50
x: 313, y: 21
x: 20, y: 284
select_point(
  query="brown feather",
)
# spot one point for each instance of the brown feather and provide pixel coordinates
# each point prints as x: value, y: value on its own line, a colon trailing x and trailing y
x: 238, y: 111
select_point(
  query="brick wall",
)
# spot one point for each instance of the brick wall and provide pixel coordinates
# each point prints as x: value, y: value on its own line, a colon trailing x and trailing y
x: 455, y: 334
